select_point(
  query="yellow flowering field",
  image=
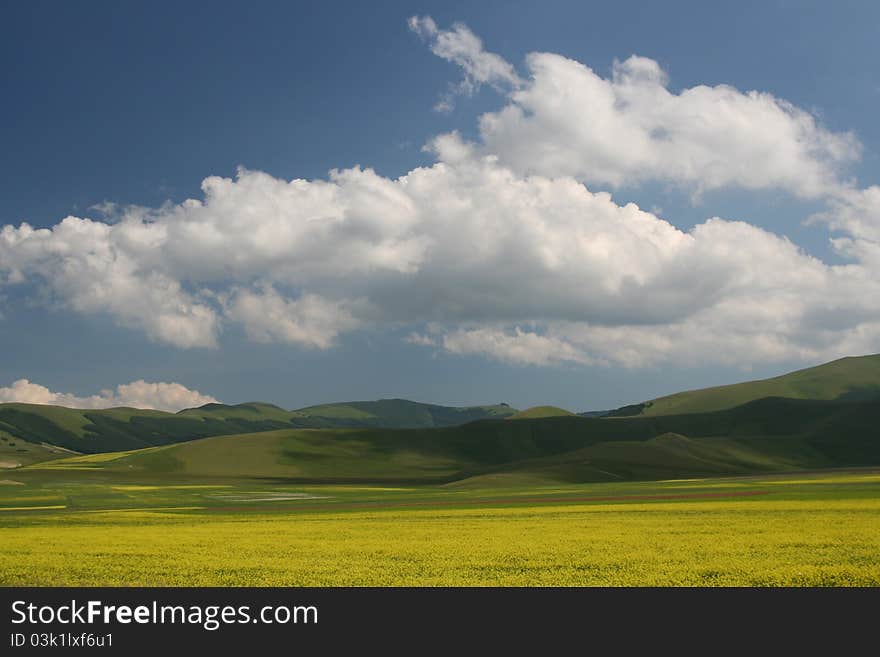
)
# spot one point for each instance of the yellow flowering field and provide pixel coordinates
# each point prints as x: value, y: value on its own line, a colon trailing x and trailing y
x: 803, y: 532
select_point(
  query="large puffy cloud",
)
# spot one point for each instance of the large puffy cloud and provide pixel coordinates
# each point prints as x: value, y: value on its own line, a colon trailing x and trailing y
x: 354, y: 222
x: 630, y: 128
x: 154, y: 269
x: 725, y: 292
x: 137, y: 394
x: 503, y: 264
x: 564, y: 119
x: 500, y: 246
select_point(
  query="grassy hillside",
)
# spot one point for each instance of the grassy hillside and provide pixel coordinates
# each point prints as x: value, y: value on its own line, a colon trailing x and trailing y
x: 539, y: 412
x: 15, y: 452
x: 258, y: 411
x: 845, y: 379
x: 767, y: 435
x: 668, y: 456
x: 96, y: 431
x: 92, y: 431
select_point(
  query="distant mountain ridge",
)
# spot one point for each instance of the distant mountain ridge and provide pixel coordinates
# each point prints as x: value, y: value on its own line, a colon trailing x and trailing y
x: 31, y: 433
x: 116, y: 429
x: 402, y: 414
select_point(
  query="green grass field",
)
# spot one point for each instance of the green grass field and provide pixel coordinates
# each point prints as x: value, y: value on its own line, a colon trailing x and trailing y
x: 96, y: 527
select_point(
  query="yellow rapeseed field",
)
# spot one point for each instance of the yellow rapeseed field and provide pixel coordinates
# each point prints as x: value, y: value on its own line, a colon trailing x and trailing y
x: 812, y: 539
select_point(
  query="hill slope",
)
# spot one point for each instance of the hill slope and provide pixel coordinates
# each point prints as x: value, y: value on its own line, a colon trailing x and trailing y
x: 845, y: 379
x: 539, y: 412
x: 766, y: 435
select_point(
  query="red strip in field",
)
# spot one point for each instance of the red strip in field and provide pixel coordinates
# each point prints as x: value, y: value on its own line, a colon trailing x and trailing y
x: 329, y: 506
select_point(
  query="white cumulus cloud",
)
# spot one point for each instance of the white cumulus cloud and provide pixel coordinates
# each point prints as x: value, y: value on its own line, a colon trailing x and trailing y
x: 566, y: 120
x: 468, y: 244
x: 310, y: 320
x: 88, y: 266
x: 137, y: 394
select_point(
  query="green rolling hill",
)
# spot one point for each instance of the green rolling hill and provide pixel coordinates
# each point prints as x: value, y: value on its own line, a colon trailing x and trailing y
x: 851, y: 378
x: 825, y: 416
x: 767, y: 435
x: 116, y: 429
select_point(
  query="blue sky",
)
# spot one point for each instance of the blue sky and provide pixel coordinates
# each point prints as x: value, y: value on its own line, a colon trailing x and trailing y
x: 137, y: 103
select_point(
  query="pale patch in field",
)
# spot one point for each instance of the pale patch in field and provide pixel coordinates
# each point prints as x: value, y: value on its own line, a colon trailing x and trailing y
x: 701, y: 483
x: 269, y: 497
x: 139, y: 487
x: 134, y: 488
x: 8, y: 465
x: 843, y: 479
x: 145, y: 509
x: 58, y: 448
x: 10, y: 482
x: 672, y: 481
x: 367, y: 488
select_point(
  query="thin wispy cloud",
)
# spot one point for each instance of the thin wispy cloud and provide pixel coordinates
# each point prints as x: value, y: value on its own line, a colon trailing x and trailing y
x: 462, y: 47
